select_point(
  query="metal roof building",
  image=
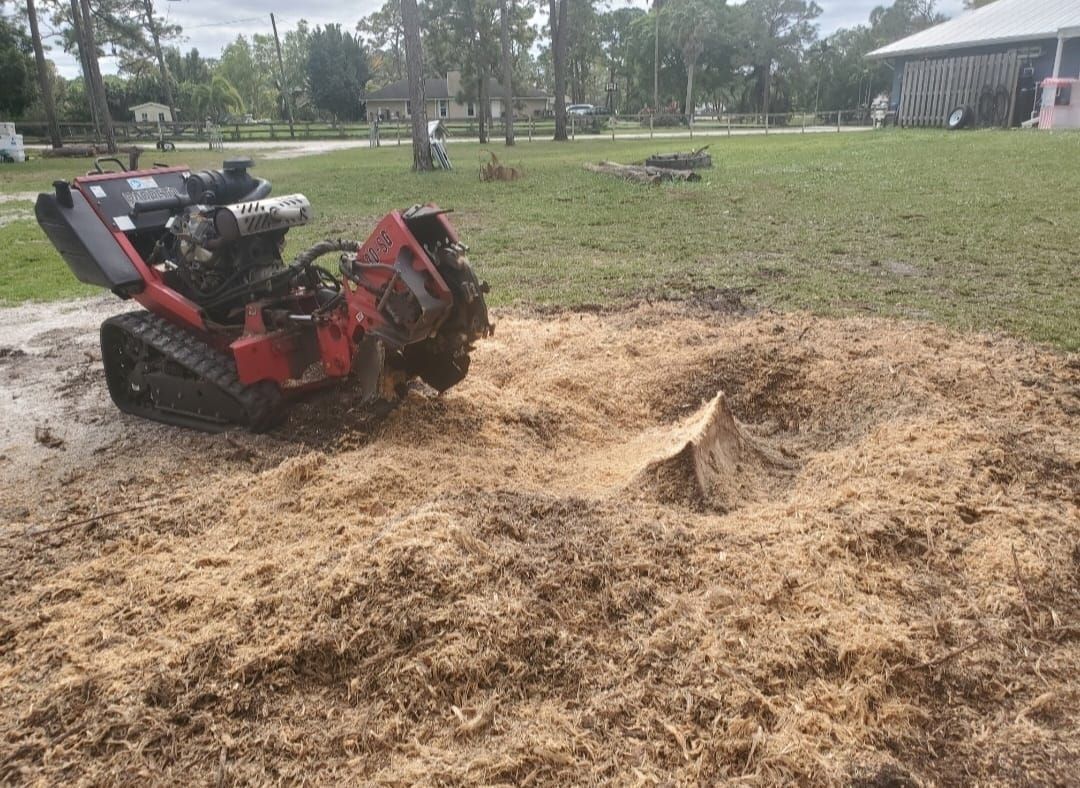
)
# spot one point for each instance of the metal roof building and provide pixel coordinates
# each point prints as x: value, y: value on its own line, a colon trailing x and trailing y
x: 990, y: 60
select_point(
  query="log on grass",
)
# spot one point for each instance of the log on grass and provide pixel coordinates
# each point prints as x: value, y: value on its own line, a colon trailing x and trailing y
x: 640, y: 174
x: 70, y: 152
x: 91, y: 151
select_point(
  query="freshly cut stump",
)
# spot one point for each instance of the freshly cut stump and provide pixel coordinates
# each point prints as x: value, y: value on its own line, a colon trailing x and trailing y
x: 712, y: 462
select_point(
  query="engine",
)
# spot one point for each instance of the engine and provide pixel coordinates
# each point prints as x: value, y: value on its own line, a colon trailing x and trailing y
x: 218, y: 249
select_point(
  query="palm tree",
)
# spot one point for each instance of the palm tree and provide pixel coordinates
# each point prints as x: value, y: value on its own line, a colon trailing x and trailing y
x: 692, y: 23
x: 217, y: 99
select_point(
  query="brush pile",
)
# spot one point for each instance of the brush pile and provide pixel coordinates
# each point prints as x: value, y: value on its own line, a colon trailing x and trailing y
x: 495, y: 170
x: 860, y: 564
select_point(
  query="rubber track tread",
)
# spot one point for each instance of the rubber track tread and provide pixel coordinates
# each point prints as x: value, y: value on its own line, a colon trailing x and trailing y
x: 261, y: 402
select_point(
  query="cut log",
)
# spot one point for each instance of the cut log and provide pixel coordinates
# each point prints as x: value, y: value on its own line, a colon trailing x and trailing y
x: 91, y: 151
x: 640, y: 174
x: 71, y: 152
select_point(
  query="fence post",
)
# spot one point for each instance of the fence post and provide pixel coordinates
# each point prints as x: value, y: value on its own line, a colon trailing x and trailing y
x: 690, y: 123
x: 729, y: 125
x: 531, y: 121
x: 838, y: 121
x: 611, y: 123
x: 766, y: 124
x: 397, y: 131
x: 804, y: 123
x: 650, y: 126
x: 573, y: 128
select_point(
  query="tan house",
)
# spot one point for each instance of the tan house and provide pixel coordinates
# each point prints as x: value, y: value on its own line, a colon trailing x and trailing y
x: 442, y: 96
x: 151, y: 112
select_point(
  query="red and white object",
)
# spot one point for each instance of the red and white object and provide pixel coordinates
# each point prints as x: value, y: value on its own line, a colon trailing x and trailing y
x: 1060, y: 104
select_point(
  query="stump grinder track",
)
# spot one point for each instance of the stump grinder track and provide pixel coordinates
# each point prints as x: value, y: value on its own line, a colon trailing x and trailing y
x: 158, y: 371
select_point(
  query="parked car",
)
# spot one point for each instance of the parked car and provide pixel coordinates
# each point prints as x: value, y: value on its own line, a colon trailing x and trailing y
x: 580, y: 109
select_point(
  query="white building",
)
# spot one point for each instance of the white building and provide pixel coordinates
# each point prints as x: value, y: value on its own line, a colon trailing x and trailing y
x: 151, y: 112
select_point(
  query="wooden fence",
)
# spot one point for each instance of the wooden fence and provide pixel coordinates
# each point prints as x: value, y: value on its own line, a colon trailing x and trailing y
x: 986, y: 84
x: 397, y: 131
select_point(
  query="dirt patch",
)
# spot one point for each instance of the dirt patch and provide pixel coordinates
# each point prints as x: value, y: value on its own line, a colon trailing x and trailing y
x: 859, y: 565
x: 18, y: 197
x: 9, y: 217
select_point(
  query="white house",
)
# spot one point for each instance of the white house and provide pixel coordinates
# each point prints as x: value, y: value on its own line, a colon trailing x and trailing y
x: 442, y: 100
x: 151, y: 112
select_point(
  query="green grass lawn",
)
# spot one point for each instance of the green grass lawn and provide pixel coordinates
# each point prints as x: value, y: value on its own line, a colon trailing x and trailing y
x: 977, y: 230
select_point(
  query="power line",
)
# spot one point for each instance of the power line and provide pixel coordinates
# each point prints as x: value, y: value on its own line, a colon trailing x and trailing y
x: 225, y: 22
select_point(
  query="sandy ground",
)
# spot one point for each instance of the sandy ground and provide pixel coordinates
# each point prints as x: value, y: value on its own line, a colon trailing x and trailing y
x: 859, y: 564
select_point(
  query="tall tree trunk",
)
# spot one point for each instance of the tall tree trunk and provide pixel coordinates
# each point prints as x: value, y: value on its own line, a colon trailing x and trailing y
x: 482, y: 102
x: 84, y: 64
x: 414, y: 64
x: 765, y: 92
x: 155, y: 35
x: 43, y: 76
x: 98, y: 84
x: 656, y: 60
x: 507, y: 71
x: 558, y: 58
x: 690, y: 92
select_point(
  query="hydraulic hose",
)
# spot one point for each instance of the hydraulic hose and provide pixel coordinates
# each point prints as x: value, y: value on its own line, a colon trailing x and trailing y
x: 309, y: 255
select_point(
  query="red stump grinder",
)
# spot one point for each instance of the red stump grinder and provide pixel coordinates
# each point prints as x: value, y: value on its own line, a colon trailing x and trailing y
x: 231, y: 331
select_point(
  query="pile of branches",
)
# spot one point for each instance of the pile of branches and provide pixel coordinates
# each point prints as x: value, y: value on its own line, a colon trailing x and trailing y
x: 495, y: 170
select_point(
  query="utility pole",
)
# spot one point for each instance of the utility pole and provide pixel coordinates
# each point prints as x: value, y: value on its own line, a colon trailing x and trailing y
x: 281, y: 73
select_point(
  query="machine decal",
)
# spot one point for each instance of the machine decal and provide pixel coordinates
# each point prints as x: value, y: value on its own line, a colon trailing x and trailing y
x: 142, y: 183
x: 147, y: 193
x: 379, y: 247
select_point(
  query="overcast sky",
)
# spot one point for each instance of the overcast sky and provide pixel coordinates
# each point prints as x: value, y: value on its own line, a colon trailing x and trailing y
x: 210, y: 24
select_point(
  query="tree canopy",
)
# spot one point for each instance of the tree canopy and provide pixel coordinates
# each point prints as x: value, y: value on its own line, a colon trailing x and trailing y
x: 714, y: 56
x: 16, y: 69
x: 337, y: 72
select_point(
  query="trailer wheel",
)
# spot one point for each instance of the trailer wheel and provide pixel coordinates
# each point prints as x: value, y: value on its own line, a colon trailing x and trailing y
x: 958, y: 118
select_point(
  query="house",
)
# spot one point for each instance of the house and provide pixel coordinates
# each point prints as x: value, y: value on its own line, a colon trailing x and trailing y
x: 441, y: 97
x: 990, y: 61
x: 151, y: 112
